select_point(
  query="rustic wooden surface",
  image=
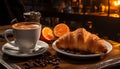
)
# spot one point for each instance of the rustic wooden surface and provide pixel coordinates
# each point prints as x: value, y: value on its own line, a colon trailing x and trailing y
x: 108, y: 61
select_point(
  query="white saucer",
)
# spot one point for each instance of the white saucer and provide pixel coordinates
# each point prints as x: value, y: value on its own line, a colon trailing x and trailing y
x: 40, y: 48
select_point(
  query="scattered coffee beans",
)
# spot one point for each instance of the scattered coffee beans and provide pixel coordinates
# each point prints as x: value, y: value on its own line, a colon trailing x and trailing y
x: 43, y: 61
x: 76, y: 52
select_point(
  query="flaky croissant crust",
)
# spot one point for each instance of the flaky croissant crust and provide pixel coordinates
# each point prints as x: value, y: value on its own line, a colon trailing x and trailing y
x: 82, y: 40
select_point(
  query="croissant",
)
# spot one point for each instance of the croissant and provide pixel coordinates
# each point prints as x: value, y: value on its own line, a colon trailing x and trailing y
x: 82, y: 40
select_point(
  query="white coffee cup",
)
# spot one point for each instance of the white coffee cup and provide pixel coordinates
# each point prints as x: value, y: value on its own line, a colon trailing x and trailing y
x: 26, y: 35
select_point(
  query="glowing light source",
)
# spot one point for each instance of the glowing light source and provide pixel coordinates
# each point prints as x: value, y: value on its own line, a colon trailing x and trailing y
x: 74, y: 0
x: 116, y: 3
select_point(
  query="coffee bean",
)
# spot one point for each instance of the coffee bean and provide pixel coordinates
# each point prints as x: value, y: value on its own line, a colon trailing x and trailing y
x: 53, y: 59
x: 55, y: 63
x: 43, y: 61
x: 28, y: 64
x: 57, y: 67
x: 67, y: 51
x: 26, y: 67
x: 37, y: 60
x: 43, y: 65
x: 36, y: 64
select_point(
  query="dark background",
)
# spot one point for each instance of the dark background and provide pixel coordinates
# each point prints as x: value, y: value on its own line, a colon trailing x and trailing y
x: 102, y: 25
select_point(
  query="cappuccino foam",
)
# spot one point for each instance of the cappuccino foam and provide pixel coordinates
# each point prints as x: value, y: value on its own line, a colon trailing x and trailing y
x: 25, y: 25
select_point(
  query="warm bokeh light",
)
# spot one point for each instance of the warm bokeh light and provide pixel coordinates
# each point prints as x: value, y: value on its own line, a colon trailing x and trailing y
x: 116, y: 3
x: 114, y: 15
x: 74, y: 0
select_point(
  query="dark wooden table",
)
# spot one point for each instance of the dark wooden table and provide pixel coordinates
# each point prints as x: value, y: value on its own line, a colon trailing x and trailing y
x: 109, y: 61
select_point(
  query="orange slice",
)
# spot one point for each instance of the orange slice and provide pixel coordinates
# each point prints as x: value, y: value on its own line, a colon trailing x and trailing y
x: 47, y: 34
x: 61, y: 29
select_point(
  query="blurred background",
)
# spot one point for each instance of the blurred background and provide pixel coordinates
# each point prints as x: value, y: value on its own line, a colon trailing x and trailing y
x: 98, y: 16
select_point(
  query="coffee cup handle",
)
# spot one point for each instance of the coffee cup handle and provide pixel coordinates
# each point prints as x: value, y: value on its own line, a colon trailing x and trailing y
x: 6, y: 33
x: 13, y: 21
